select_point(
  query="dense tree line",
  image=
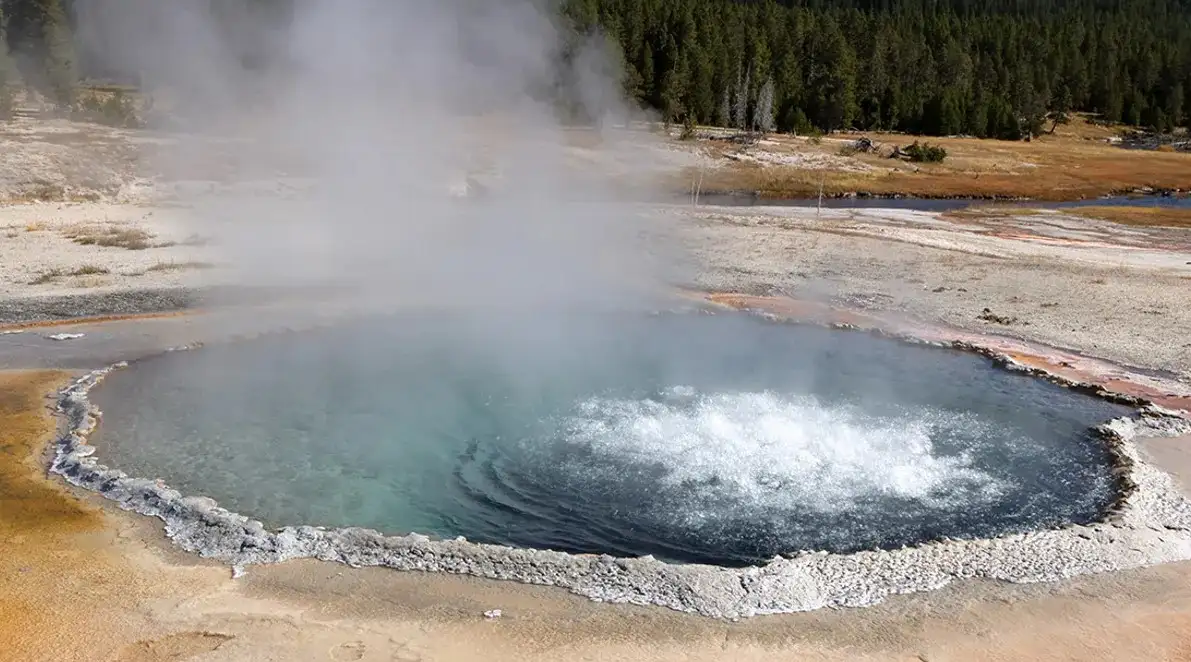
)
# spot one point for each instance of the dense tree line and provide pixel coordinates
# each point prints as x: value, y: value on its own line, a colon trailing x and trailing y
x: 990, y: 68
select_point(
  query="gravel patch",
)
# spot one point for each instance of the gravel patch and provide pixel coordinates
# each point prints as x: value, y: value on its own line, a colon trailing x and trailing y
x: 73, y: 306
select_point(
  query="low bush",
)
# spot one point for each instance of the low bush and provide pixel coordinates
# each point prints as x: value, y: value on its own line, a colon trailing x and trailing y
x: 110, y: 108
x: 925, y: 153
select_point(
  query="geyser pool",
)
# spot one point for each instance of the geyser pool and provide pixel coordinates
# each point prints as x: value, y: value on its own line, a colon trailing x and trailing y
x: 721, y: 438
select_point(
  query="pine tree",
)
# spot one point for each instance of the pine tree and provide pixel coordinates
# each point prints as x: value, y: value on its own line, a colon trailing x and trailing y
x: 832, y: 82
x: 673, y: 91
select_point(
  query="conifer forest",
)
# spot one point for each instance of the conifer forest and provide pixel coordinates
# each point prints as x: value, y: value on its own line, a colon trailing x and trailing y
x: 988, y: 68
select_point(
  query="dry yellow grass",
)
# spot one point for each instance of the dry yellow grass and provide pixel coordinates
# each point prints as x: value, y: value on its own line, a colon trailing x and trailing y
x: 1151, y: 216
x: 1171, y: 217
x: 179, y: 266
x: 133, y: 239
x: 53, y: 275
x: 1074, y: 163
x: 988, y: 211
x: 46, y: 277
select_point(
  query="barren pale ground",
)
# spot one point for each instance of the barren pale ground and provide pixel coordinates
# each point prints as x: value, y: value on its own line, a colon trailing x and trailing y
x: 81, y: 581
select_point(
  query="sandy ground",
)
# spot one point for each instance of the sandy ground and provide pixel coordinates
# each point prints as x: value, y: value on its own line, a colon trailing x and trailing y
x: 1112, y: 291
x: 81, y: 581
x: 42, y: 254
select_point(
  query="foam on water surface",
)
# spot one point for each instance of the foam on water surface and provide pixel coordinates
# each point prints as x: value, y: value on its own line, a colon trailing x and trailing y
x: 765, y: 449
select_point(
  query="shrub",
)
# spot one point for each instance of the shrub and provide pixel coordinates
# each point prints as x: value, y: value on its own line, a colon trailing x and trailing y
x: 113, y: 109
x: 925, y: 153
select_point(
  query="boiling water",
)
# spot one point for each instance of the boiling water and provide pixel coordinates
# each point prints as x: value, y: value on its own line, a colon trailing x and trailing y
x: 708, y: 438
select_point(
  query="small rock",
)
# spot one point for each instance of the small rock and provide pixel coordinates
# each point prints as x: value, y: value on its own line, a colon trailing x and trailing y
x: 238, y: 571
x: 492, y: 613
x: 989, y: 316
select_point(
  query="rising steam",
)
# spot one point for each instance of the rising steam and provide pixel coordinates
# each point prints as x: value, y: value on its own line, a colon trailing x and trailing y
x: 371, y: 111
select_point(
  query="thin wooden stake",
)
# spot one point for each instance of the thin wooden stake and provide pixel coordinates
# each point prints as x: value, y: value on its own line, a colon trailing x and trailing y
x: 822, y: 180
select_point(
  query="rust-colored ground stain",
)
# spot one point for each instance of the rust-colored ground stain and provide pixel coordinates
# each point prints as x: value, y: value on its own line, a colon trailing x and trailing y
x: 796, y: 309
x: 27, y: 502
x: 1063, y: 241
x: 1064, y: 365
x: 37, y: 519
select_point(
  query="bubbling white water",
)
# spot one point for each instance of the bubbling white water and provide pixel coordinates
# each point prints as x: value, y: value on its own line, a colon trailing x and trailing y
x: 768, y: 450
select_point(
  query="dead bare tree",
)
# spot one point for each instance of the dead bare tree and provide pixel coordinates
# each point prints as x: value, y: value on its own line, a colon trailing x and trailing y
x: 741, y: 108
x: 763, y: 115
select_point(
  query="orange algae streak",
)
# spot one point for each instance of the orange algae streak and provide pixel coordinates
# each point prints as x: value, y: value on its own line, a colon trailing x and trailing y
x: 37, y: 518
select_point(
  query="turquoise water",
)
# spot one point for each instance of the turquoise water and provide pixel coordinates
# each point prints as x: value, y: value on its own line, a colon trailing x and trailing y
x: 703, y: 438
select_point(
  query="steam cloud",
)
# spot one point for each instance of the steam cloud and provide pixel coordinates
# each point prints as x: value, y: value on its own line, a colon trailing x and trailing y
x: 373, y: 109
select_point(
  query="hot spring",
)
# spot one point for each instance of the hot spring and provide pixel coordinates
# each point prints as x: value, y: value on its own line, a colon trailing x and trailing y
x: 723, y: 439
